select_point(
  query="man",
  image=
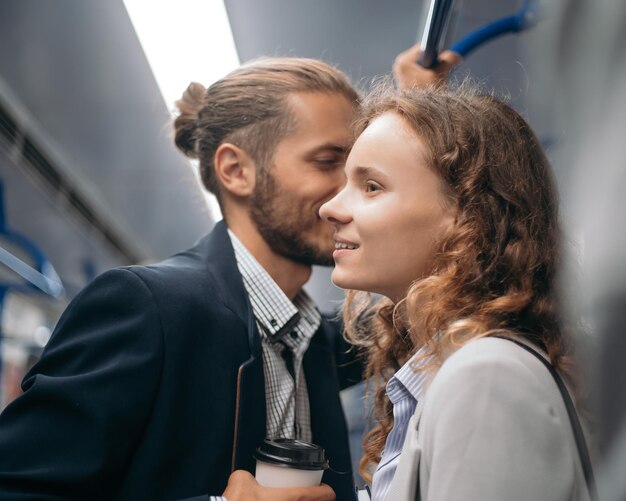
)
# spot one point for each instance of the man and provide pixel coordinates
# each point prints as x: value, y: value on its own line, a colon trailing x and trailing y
x: 160, y: 380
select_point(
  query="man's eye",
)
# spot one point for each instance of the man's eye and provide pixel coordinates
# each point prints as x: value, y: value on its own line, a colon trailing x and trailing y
x: 327, y: 161
x: 371, y: 187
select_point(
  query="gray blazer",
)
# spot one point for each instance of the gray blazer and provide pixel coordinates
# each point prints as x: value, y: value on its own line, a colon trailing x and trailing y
x: 492, y: 426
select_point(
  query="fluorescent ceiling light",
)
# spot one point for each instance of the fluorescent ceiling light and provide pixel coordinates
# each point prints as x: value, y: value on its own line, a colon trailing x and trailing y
x: 184, y: 41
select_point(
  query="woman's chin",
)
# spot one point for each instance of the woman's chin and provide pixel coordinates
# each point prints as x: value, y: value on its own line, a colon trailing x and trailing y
x: 343, y: 281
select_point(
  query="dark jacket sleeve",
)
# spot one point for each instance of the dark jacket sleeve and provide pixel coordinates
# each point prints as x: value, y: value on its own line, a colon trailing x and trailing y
x: 85, y: 403
x: 348, y: 358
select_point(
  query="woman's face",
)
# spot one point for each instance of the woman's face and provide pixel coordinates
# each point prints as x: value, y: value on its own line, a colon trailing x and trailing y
x: 390, y: 216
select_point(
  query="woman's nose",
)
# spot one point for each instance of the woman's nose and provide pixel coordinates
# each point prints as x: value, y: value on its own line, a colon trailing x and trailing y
x: 334, y: 211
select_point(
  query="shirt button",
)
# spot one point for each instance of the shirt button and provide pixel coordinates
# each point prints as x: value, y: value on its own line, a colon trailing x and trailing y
x: 293, y: 334
x: 273, y: 322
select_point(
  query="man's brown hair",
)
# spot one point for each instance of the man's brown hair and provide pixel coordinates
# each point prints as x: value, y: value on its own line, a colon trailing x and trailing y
x: 248, y: 107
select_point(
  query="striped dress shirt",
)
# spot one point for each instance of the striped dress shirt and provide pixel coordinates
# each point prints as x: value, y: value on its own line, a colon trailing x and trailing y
x: 286, y: 329
x: 404, y: 389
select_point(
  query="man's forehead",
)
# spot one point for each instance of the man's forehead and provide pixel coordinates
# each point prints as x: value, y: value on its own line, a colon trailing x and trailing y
x: 326, y: 115
x: 312, y: 103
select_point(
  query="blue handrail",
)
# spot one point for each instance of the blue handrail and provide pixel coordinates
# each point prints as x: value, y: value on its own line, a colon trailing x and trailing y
x: 41, y: 277
x: 526, y: 17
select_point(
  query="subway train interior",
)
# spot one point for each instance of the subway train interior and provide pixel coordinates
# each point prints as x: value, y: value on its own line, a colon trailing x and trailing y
x: 90, y: 178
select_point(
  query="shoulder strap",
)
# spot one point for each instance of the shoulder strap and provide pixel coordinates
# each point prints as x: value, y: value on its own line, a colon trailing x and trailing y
x: 581, y: 444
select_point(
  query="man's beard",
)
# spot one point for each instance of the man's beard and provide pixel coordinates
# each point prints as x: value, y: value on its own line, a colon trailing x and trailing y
x: 282, y: 227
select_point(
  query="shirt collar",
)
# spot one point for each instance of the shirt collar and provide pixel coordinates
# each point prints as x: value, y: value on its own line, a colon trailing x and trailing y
x: 275, y: 313
x: 409, y: 380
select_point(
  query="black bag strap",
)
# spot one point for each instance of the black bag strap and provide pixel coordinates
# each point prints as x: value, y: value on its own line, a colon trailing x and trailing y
x: 581, y: 443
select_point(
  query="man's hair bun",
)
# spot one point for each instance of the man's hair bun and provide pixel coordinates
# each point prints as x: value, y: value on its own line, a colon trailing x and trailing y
x: 185, y: 124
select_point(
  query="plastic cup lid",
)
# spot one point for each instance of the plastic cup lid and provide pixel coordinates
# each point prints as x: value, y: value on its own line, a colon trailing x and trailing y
x: 292, y: 453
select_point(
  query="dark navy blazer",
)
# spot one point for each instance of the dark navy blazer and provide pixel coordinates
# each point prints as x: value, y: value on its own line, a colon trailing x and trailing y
x: 152, y: 387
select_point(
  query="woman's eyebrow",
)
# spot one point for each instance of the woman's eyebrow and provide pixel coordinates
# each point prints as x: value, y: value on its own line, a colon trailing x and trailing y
x: 363, y: 171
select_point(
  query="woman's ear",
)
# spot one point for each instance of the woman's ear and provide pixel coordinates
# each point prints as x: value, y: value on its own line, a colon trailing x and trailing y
x: 235, y: 170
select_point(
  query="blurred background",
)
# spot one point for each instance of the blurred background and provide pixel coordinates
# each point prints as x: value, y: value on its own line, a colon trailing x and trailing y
x: 90, y: 179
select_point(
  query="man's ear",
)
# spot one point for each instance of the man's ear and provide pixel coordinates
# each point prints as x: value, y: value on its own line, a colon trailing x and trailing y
x: 235, y: 170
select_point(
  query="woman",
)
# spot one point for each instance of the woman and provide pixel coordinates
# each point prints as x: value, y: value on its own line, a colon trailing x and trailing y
x: 450, y: 213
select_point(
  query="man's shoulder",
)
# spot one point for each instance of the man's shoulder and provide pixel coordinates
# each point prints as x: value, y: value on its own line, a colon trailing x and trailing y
x: 193, y: 266
x: 184, y: 266
x: 184, y: 275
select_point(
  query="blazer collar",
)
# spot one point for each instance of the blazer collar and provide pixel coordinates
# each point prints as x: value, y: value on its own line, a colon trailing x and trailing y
x: 328, y: 422
x: 216, y: 250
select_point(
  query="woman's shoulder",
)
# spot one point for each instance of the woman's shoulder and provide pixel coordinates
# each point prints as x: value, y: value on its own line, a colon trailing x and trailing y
x: 503, y: 349
x: 496, y: 364
x: 495, y: 404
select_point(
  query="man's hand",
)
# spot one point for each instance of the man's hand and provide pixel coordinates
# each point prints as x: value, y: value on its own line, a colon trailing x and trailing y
x: 410, y: 74
x: 243, y: 487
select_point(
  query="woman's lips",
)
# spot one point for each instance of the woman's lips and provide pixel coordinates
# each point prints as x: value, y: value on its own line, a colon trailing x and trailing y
x: 344, y: 248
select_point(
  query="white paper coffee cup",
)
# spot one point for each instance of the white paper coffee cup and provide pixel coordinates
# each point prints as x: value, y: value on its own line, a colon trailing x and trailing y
x: 289, y: 463
x: 269, y: 475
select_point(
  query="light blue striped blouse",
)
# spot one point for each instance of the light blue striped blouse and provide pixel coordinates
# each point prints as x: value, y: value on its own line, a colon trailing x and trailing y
x: 404, y: 389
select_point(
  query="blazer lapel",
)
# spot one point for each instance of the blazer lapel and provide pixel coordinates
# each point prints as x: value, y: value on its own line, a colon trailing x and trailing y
x: 217, y: 251
x: 405, y: 483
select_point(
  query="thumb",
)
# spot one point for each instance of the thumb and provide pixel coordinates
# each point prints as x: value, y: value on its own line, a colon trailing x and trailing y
x: 449, y: 59
x: 318, y: 493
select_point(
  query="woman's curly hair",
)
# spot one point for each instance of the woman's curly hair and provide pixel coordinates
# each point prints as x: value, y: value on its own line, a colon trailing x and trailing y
x: 495, y: 269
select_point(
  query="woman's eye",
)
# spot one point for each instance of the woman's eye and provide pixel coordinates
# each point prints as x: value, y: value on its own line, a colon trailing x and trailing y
x: 371, y: 187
